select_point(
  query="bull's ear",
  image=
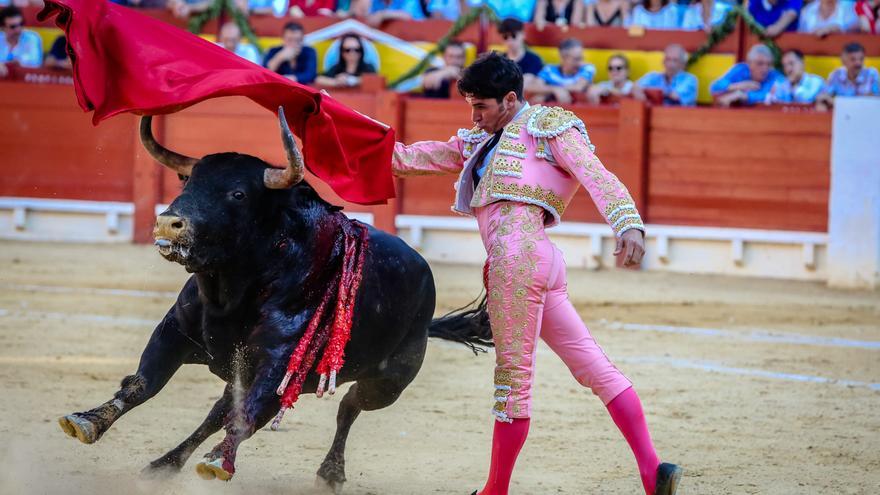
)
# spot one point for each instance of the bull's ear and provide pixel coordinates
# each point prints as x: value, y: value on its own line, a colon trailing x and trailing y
x: 295, y: 171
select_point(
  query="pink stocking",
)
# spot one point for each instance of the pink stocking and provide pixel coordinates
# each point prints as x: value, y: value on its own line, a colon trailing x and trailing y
x: 507, y: 440
x: 626, y: 411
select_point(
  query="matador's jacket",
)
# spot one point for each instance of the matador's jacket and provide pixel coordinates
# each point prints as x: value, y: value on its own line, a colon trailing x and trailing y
x: 542, y: 157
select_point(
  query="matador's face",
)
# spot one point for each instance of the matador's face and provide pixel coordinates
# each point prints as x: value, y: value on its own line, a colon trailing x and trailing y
x: 491, y: 115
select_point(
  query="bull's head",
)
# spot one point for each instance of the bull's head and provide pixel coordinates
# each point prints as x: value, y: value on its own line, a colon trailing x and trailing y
x: 228, y: 199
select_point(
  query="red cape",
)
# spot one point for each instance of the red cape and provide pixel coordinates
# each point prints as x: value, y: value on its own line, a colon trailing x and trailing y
x: 124, y: 61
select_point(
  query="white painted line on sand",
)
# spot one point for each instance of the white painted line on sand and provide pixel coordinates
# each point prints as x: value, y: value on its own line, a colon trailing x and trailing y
x: 79, y: 317
x: 98, y: 291
x: 765, y: 336
x: 706, y: 366
x: 731, y: 370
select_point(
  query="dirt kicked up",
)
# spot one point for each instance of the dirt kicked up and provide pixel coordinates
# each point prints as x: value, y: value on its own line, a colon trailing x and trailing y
x: 753, y: 386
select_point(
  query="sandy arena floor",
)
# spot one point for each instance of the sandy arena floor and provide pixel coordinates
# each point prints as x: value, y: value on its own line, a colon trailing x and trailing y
x: 754, y: 386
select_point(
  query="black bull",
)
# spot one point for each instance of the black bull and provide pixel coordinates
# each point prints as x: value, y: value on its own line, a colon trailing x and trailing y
x: 262, y: 246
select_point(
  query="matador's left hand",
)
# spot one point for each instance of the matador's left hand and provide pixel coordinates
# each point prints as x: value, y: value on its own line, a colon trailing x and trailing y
x: 632, y: 244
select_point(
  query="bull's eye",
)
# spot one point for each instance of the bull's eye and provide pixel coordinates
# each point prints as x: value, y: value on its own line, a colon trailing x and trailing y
x: 238, y: 195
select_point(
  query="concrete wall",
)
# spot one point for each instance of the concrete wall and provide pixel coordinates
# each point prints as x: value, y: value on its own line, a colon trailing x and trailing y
x: 854, y: 206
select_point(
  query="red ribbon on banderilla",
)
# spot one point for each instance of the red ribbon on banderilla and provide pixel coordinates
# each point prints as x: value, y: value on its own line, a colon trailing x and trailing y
x: 320, y: 333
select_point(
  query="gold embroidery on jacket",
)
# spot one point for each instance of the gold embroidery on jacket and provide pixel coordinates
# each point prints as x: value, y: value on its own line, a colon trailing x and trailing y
x: 415, y: 161
x: 528, y: 194
x: 506, y: 166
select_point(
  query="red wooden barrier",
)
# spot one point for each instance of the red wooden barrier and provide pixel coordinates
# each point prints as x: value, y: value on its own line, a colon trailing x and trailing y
x: 760, y: 168
x: 49, y: 149
x: 739, y: 168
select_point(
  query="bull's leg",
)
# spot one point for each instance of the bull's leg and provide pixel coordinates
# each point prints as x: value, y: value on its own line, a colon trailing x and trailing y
x: 332, y: 471
x: 163, y: 355
x: 260, y: 404
x: 174, y: 460
x: 370, y: 393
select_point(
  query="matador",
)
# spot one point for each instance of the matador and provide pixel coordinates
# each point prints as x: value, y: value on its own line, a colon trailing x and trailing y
x: 518, y: 169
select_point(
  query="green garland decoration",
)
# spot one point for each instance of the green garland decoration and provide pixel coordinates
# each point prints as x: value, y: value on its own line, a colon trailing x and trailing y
x: 726, y: 28
x: 197, y: 22
x: 460, y: 25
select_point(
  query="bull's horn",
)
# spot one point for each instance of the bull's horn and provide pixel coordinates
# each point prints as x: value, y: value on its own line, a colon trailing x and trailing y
x: 181, y: 164
x: 276, y: 178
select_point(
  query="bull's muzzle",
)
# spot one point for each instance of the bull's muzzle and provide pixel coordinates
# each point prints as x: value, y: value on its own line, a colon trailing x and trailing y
x: 171, y: 237
x: 168, y: 228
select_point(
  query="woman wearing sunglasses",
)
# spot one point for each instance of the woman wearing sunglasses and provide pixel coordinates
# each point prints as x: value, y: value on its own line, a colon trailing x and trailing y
x: 348, y: 69
x: 618, y: 84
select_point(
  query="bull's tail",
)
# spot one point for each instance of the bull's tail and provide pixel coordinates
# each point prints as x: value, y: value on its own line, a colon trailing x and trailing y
x: 468, y: 325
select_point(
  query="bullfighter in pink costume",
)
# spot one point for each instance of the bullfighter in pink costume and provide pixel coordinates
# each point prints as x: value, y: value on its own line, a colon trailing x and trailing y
x: 518, y: 170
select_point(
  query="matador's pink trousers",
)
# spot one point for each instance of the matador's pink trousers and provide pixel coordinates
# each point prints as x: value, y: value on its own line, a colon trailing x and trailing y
x: 528, y: 298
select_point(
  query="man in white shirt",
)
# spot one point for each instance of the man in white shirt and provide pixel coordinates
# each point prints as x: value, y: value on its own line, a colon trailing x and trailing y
x: 16, y: 43
x: 230, y: 38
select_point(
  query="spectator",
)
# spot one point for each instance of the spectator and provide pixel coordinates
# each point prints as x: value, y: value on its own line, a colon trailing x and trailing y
x: 705, y: 15
x: 184, y: 8
x: 359, y: 9
x: 230, y: 38
x: 607, y: 13
x: 659, y: 14
x: 853, y: 79
x: 777, y: 16
x: 797, y: 86
x: 450, y: 10
x: 16, y: 43
x: 143, y: 4
x: 677, y: 86
x: 57, y: 57
x: 262, y: 7
x: 747, y: 83
x: 618, y: 84
x: 570, y: 78
x: 562, y: 13
x: 311, y: 8
x: 521, y: 10
x: 437, y: 81
x: 350, y: 66
x: 823, y: 17
x: 868, y: 13
x: 514, y: 39
x: 293, y: 59
x: 387, y: 10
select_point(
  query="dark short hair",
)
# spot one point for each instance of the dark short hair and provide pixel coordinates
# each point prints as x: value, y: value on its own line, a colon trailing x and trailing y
x: 797, y: 53
x: 293, y: 26
x: 492, y: 75
x: 9, y: 12
x: 454, y: 44
x: 569, y: 43
x: 510, y: 26
x: 853, y: 48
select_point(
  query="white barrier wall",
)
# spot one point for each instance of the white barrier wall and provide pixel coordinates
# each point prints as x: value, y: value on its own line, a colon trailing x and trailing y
x: 710, y: 250
x: 854, y: 205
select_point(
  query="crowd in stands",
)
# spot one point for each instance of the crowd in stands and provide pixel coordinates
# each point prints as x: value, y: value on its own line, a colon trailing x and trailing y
x: 819, y: 17
x: 753, y: 82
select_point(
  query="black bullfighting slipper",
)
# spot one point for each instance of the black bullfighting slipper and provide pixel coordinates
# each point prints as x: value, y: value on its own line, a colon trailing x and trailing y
x: 668, y: 477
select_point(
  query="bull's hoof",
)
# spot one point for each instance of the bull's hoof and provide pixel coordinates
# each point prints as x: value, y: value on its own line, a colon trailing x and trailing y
x: 209, y: 469
x: 328, y: 486
x: 80, y: 428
